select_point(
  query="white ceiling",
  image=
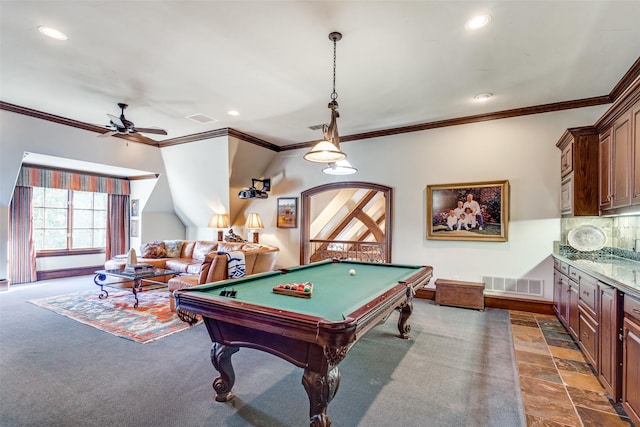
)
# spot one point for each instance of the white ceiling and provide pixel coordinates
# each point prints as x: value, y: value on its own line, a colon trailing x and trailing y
x: 399, y: 62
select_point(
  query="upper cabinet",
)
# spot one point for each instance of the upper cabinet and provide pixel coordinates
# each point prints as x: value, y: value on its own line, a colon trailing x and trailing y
x: 619, y: 162
x: 579, y: 171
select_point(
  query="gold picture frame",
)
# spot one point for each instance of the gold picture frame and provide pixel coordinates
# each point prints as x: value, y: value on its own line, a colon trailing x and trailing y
x: 476, y: 211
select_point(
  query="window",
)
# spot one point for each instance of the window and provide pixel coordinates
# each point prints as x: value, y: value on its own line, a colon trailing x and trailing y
x: 65, y: 220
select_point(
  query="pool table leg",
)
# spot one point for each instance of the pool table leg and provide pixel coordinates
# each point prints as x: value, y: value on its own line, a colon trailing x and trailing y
x: 221, y: 359
x: 405, y: 311
x: 320, y: 389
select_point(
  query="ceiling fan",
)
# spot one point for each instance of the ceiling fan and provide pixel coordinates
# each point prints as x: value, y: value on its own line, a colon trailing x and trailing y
x: 122, y: 126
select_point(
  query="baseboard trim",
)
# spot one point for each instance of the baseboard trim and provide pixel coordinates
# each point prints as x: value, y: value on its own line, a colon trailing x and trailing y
x: 504, y: 302
x: 67, y: 272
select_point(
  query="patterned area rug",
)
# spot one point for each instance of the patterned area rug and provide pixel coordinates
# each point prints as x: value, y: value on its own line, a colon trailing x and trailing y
x: 115, y: 314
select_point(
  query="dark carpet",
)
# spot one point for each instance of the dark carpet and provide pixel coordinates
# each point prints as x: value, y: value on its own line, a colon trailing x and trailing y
x: 457, y: 369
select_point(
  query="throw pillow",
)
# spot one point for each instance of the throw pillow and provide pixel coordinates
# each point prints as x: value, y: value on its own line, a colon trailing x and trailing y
x: 202, y: 249
x: 173, y: 247
x: 153, y: 250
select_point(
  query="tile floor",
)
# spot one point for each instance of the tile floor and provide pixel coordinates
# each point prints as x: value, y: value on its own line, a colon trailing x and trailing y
x: 558, y: 386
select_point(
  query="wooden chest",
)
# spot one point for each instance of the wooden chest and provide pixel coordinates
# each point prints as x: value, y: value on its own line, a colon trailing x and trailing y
x: 460, y: 294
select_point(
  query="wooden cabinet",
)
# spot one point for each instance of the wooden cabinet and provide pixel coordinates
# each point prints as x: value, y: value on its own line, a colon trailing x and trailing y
x: 631, y: 359
x: 579, y: 171
x: 635, y: 138
x: 610, y: 343
x: 604, y: 171
x: 619, y: 161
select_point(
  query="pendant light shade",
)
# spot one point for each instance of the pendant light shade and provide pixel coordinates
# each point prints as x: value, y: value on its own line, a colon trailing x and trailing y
x: 341, y: 167
x: 325, y: 152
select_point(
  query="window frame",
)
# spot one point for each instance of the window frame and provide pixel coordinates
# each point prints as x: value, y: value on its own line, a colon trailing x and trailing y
x: 43, y: 253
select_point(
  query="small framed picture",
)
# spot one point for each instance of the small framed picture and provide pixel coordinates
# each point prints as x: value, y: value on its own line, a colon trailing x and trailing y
x: 287, y: 212
x: 135, y: 207
x: 135, y: 228
x: 470, y: 211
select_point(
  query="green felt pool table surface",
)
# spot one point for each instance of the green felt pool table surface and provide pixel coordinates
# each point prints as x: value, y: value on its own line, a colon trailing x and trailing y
x: 336, y: 293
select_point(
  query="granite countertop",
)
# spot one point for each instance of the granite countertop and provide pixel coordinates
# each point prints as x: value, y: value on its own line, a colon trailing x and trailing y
x: 620, y: 272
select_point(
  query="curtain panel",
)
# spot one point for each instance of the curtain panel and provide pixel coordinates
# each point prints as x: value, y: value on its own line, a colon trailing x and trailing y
x: 39, y: 177
x: 117, y: 225
x: 22, y: 253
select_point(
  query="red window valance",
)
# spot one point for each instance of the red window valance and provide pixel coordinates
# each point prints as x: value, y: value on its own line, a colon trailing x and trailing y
x: 49, y: 178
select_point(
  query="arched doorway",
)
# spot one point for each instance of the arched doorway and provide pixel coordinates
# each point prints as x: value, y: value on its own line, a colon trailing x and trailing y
x: 346, y: 220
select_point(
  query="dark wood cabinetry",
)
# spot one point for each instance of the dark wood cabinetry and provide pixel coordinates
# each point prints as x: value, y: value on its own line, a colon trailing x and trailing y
x: 591, y: 310
x: 631, y: 360
x: 610, y: 346
x: 579, y: 171
x: 619, y: 155
x: 604, y: 171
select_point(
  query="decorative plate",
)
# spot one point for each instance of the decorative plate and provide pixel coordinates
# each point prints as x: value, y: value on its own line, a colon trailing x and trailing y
x: 587, y: 238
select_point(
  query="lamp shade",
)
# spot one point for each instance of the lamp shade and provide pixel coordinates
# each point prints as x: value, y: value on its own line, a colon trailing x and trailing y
x: 254, y: 222
x: 218, y: 221
x: 341, y: 167
x: 324, y: 152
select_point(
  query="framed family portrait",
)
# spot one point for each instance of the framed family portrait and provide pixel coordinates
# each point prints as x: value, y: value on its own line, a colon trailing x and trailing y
x: 287, y: 212
x: 468, y: 211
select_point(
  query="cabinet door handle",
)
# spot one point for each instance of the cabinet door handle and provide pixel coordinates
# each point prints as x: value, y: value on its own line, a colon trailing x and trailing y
x: 586, y: 293
x: 584, y: 334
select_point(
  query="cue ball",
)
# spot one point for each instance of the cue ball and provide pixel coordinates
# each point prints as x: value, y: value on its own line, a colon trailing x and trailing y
x: 352, y: 272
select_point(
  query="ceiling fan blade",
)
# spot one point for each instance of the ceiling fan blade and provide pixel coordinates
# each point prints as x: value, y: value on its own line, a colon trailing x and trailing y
x: 137, y: 137
x: 116, y: 121
x: 107, y: 134
x: 151, y: 130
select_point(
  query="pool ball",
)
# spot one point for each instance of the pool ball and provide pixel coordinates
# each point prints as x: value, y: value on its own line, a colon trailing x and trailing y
x: 352, y: 272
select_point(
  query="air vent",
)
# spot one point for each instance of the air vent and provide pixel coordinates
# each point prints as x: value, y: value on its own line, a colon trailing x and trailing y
x: 521, y: 286
x: 201, y: 118
x: 316, y: 127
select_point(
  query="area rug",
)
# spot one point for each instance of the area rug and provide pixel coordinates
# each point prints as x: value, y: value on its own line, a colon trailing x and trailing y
x: 115, y: 314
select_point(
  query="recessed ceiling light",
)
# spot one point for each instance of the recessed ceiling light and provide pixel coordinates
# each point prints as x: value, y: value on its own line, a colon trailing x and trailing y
x: 233, y: 113
x: 477, y: 22
x: 53, y: 33
x: 482, y: 97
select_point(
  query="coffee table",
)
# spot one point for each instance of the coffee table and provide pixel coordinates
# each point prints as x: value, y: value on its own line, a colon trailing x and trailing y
x: 100, y: 279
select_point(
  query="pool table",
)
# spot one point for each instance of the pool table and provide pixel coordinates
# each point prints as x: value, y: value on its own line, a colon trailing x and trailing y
x: 314, y: 333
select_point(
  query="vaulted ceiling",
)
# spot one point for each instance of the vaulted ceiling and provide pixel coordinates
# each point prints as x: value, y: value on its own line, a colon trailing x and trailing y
x: 399, y: 63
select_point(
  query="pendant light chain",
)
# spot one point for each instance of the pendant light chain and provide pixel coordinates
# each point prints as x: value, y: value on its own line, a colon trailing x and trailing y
x: 334, y: 95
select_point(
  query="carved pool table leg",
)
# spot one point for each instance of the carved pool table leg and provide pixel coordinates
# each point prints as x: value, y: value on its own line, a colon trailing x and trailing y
x: 320, y: 389
x: 405, y: 311
x: 221, y: 359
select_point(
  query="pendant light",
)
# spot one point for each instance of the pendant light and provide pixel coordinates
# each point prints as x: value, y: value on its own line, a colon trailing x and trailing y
x: 328, y: 150
x: 341, y: 167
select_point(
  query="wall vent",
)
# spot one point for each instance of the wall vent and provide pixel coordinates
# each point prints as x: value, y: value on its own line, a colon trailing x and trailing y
x: 533, y: 287
x: 316, y: 127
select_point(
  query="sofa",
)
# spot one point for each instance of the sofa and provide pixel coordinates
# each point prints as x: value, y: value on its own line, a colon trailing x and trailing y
x: 199, y: 261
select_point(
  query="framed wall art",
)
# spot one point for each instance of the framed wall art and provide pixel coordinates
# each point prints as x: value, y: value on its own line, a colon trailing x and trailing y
x: 135, y: 207
x: 287, y: 212
x: 468, y: 211
x: 134, y: 228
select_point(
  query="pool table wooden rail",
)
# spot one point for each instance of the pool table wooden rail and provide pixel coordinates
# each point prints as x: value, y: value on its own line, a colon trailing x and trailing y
x: 310, y: 342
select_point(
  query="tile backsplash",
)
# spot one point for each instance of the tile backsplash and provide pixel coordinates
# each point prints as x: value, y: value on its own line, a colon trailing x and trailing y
x: 623, y: 232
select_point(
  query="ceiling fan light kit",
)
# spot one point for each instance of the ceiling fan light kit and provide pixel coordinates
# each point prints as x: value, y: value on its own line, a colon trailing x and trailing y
x: 328, y: 150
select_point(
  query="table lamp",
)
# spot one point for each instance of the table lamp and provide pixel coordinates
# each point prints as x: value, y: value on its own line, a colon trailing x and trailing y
x: 219, y: 221
x: 254, y: 223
